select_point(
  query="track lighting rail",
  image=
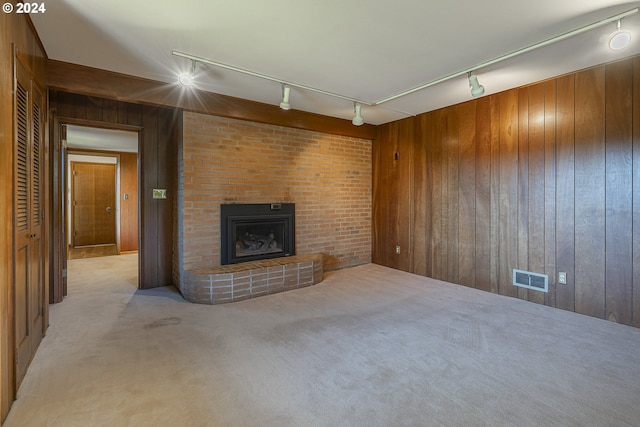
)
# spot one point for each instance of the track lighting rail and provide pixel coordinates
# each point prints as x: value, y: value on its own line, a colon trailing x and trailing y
x: 512, y: 54
x: 266, y: 77
x: 473, y: 81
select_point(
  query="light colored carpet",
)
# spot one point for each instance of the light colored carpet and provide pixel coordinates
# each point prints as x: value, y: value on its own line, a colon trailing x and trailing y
x: 369, y: 346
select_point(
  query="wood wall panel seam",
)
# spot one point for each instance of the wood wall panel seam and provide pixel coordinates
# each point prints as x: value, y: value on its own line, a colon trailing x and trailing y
x: 619, y: 191
x: 523, y: 188
x: 566, y: 124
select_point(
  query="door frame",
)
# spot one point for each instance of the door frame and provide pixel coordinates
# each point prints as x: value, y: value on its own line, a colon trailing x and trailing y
x: 70, y: 190
x: 59, y: 234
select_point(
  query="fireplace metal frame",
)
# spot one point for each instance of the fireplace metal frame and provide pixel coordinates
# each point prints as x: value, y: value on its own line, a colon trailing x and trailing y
x: 244, y: 213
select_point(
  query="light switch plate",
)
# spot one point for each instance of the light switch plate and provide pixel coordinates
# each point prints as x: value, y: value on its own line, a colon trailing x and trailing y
x: 159, y: 193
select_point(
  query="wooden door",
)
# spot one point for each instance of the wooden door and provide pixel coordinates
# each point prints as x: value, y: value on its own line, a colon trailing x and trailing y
x: 28, y: 291
x: 93, y: 189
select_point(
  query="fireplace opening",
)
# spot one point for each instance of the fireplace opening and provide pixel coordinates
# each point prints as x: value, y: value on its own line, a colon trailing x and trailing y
x: 259, y: 238
x: 252, y: 232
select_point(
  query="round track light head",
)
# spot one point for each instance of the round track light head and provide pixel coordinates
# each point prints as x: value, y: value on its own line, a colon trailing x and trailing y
x: 476, y: 92
x: 619, y: 40
x: 185, y: 79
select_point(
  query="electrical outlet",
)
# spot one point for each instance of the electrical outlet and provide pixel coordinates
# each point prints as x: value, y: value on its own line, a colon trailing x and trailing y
x: 562, y: 278
x: 397, y: 249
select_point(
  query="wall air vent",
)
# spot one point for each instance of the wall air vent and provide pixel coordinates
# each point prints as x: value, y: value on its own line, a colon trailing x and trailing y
x: 529, y: 280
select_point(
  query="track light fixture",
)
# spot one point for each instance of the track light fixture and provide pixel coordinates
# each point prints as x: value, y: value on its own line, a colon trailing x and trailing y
x: 286, y: 85
x: 286, y: 91
x: 620, y: 39
x: 476, y: 88
x: 357, y: 118
x: 539, y: 45
x: 186, y: 79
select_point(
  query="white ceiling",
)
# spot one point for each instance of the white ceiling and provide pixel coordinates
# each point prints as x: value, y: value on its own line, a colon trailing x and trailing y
x: 367, y: 50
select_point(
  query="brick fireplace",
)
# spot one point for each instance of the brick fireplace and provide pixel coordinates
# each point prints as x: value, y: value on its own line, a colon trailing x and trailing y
x: 228, y: 161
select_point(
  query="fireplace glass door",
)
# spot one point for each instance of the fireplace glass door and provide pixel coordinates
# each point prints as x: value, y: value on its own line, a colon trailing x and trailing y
x: 258, y: 237
x: 254, y: 232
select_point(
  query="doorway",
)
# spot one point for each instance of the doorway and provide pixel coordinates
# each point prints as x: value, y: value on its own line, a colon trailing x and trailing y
x: 92, y: 206
x: 101, y: 191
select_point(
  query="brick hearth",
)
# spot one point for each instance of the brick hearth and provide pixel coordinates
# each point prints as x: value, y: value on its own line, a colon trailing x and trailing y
x: 236, y: 282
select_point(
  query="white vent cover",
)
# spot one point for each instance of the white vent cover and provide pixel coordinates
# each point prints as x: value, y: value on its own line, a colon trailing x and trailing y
x: 529, y: 280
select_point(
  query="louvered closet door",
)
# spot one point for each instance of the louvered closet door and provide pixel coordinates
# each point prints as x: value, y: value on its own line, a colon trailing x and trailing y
x: 29, y: 283
x: 36, y: 251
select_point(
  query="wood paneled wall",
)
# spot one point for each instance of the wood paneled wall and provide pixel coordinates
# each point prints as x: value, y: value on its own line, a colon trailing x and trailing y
x: 157, y: 159
x: 128, y: 206
x: 538, y: 178
x: 15, y: 30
